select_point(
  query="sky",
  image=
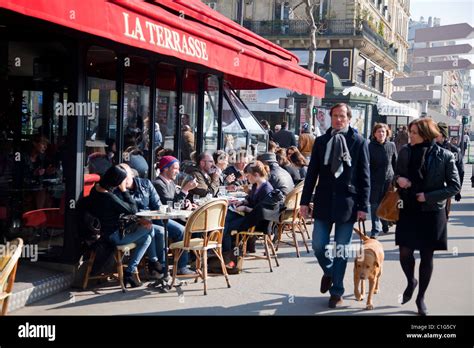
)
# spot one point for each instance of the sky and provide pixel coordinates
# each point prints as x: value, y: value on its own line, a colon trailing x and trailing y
x: 450, y: 12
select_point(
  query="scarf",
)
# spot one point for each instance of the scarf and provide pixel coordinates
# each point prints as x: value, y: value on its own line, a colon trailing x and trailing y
x: 337, y: 152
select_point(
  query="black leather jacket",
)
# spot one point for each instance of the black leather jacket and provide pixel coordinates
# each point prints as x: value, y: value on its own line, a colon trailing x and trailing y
x: 442, y: 178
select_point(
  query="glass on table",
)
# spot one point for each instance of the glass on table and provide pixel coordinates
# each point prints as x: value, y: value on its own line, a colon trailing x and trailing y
x: 222, y: 191
x: 177, y: 206
x: 170, y: 206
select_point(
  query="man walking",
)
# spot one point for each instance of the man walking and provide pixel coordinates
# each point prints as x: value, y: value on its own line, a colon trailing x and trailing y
x: 340, y: 164
x: 285, y: 138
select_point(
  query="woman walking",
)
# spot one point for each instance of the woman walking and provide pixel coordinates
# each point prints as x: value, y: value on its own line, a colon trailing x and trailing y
x: 383, y: 158
x: 426, y: 175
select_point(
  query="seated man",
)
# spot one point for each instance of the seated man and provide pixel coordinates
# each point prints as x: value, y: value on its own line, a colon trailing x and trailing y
x: 207, y: 176
x: 239, y: 160
x: 146, y: 198
x: 165, y: 183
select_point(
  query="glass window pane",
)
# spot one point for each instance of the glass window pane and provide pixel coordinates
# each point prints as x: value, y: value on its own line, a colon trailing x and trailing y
x: 235, y: 137
x: 211, y: 109
x: 166, y: 108
x: 249, y: 121
x: 136, y: 110
x: 189, y: 113
x: 101, y: 91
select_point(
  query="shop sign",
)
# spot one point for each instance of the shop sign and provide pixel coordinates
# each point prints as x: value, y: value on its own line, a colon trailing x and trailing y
x: 161, y: 36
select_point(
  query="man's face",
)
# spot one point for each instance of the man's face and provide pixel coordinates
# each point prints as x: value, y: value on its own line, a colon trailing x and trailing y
x: 206, y: 163
x: 339, y: 119
x: 240, y: 165
x: 172, y: 171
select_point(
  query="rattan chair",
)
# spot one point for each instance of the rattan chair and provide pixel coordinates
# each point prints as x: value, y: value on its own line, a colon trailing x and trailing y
x: 291, y: 222
x: 8, y: 267
x: 206, y: 224
x: 242, y: 239
x: 308, y: 221
x: 119, y: 253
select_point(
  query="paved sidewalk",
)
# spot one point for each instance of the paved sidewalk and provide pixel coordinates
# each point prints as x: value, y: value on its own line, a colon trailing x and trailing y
x: 293, y: 288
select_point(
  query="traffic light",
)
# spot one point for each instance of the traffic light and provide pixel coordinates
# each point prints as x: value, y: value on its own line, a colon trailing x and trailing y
x: 465, y: 120
x: 314, y: 111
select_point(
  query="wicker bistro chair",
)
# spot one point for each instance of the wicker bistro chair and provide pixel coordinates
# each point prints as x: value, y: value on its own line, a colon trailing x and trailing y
x: 242, y: 239
x: 207, y: 222
x: 119, y: 252
x: 291, y: 221
x: 8, y: 267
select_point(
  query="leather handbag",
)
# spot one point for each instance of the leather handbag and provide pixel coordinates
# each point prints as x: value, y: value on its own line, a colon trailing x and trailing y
x: 389, y: 209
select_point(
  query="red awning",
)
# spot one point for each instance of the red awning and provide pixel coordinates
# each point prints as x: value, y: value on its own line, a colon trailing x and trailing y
x: 187, y: 30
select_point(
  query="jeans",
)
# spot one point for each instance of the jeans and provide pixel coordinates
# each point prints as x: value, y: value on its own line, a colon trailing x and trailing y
x: 332, y: 261
x: 142, y: 237
x: 176, y: 234
x: 377, y: 223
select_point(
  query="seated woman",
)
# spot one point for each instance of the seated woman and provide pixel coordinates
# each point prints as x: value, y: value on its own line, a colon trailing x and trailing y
x: 108, y: 207
x: 286, y: 165
x: 257, y: 174
x: 300, y: 163
x: 221, y: 159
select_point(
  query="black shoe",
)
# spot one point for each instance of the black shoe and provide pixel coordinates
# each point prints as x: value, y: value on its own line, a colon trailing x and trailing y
x: 420, y: 304
x: 385, y: 229
x: 335, y: 301
x: 408, y: 293
x: 326, y: 283
x: 155, y: 269
x: 132, y: 279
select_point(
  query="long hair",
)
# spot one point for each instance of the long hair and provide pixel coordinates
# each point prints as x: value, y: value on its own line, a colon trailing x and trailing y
x: 427, y: 128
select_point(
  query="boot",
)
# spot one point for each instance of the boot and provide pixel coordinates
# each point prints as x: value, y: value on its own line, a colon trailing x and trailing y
x: 132, y: 279
x: 155, y: 269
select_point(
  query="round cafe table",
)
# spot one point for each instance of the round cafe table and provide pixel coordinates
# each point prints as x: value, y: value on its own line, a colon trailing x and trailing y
x: 165, y: 216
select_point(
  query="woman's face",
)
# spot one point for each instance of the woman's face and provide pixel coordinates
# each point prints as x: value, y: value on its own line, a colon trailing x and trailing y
x: 381, y: 135
x: 40, y: 147
x: 223, y: 162
x: 415, y: 137
x: 252, y: 178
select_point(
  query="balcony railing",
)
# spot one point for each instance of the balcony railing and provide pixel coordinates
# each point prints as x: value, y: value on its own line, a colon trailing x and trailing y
x: 332, y: 27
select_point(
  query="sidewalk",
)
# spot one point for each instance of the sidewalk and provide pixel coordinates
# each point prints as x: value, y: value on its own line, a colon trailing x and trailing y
x: 293, y: 288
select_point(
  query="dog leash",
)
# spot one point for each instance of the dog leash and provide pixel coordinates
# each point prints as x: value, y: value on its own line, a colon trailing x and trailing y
x: 361, y: 230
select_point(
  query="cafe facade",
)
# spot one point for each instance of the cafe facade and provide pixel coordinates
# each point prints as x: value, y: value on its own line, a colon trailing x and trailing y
x: 81, y: 80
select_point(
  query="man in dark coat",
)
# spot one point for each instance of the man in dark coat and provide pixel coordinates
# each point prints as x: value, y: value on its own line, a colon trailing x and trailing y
x: 340, y: 164
x: 285, y: 138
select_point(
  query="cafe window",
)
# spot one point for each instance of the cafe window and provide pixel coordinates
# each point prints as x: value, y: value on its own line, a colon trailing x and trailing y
x: 234, y: 135
x: 257, y: 136
x: 211, y: 110
x: 166, y: 106
x: 33, y: 146
x: 102, y: 98
x: 189, y: 114
x: 136, y: 111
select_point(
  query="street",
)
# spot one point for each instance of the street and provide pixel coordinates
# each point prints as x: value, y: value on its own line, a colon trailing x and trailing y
x: 293, y: 288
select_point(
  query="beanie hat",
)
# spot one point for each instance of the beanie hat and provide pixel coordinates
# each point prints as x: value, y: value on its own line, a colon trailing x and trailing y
x: 443, y: 128
x: 166, y: 161
x: 113, y: 177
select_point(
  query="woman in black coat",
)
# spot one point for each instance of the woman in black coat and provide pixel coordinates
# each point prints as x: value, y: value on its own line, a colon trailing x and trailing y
x: 426, y: 175
x: 383, y: 158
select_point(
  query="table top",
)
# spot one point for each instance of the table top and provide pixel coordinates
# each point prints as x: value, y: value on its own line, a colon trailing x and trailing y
x: 239, y: 194
x: 159, y: 215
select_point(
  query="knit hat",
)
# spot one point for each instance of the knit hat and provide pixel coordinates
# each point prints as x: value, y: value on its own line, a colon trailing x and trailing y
x: 443, y: 128
x: 113, y: 177
x: 166, y: 161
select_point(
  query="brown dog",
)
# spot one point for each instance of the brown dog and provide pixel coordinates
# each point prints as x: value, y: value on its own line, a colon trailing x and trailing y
x: 368, y: 266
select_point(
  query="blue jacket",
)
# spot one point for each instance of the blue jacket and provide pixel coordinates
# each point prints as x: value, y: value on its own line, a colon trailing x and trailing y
x: 338, y: 200
x: 145, y: 195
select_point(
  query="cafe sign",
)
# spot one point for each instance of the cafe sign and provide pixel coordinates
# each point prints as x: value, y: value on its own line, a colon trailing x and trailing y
x: 164, y: 37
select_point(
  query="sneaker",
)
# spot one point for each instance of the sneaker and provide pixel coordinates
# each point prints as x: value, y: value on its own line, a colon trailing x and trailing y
x: 186, y: 271
x: 335, y: 301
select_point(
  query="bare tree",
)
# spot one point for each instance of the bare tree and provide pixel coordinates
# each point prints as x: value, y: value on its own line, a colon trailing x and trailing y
x: 314, y: 29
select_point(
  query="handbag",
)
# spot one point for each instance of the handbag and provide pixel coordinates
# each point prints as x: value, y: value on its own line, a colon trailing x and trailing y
x: 389, y: 209
x: 128, y: 224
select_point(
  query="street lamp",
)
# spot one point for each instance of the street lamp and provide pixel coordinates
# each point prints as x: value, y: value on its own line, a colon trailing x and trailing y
x: 450, y: 85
